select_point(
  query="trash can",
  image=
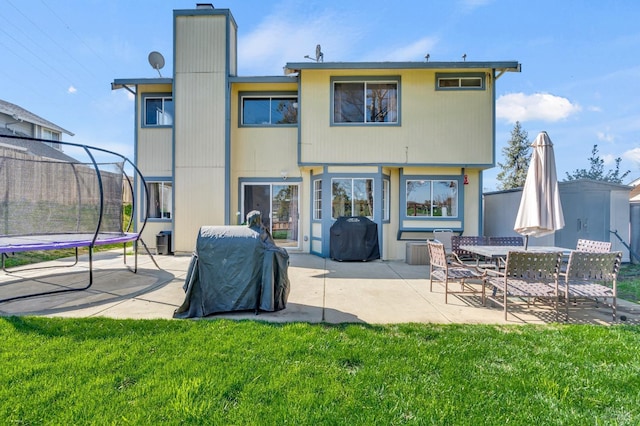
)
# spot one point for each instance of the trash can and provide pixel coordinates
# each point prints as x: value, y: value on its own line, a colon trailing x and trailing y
x: 163, y: 242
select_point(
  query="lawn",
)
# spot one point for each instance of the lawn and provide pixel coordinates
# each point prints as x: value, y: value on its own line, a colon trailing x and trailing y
x: 104, y: 371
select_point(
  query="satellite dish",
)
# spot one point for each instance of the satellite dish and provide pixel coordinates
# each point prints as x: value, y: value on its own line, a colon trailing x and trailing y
x: 156, y: 60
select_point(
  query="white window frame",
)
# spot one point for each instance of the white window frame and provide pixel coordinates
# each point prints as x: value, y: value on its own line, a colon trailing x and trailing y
x: 317, y: 199
x: 164, y: 118
x: 385, y: 200
x: 465, y: 81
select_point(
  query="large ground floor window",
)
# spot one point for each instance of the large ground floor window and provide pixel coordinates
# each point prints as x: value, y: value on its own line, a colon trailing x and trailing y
x: 432, y: 198
x: 279, y: 207
x: 352, y: 197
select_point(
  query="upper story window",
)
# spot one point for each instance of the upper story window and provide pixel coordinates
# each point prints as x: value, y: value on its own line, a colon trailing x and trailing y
x: 158, y: 111
x: 469, y: 81
x: 365, y: 101
x: 50, y: 135
x: 269, y: 110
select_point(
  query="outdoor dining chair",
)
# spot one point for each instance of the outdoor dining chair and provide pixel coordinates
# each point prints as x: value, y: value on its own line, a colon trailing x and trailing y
x: 443, y: 269
x: 527, y: 275
x: 444, y: 236
x: 467, y: 257
x: 593, y: 246
x: 591, y: 276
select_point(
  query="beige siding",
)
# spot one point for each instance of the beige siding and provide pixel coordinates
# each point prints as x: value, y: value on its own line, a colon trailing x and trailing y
x: 264, y: 152
x: 448, y: 127
x: 200, y: 43
x: 198, y: 201
x: 199, y: 125
x: 233, y: 49
x: 154, y: 151
x: 154, y: 144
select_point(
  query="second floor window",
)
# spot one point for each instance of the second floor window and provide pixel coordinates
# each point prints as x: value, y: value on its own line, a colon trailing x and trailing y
x: 158, y: 111
x: 269, y: 110
x: 365, y: 102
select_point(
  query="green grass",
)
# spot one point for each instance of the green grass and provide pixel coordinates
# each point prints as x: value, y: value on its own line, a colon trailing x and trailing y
x: 104, y: 371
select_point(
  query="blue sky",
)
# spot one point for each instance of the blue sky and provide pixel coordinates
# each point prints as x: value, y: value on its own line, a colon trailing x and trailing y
x: 580, y: 78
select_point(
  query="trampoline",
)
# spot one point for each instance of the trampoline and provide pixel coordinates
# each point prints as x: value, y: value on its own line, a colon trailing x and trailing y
x: 50, y: 200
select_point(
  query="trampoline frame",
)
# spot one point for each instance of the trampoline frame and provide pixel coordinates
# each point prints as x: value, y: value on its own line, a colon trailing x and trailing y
x: 21, y: 243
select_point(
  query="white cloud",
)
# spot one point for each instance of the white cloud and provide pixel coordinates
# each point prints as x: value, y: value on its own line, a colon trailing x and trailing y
x: 633, y: 156
x: 608, y: 159
x: 538, y: 106
x: 72, y: 90
x: 605, y: 137
x: 413, y: 52
x: 470, y: 5
x: 283, y: 37
x: 594, y: 108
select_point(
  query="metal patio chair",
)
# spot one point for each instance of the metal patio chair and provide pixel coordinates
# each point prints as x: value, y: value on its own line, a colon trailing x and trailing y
x: 591, y: 276
x: 593, y: 246
x: 448, y: 271
x: 527, y: 275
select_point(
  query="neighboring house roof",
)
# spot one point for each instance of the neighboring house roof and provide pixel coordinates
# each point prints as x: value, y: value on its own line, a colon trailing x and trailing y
x: 35, y: 147
x: 635, y: 194
x: 20, y: 113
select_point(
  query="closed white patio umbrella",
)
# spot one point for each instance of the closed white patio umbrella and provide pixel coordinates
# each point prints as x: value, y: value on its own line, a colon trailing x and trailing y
x: 540, y: 211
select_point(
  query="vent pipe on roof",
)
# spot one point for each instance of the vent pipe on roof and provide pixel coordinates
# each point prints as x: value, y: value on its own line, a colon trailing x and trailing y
x: 204, y: 6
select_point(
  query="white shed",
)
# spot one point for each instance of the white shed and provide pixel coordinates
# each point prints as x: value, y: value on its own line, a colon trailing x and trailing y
x: 593, y: 210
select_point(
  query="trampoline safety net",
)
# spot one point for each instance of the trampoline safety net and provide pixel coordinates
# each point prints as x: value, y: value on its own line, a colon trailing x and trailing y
x: 42, y: 196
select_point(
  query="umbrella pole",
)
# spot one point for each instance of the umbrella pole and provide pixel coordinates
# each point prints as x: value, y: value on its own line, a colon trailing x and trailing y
x: 526, y: 242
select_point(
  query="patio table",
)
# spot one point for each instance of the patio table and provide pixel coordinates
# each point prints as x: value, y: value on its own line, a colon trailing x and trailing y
x: 500, y: 252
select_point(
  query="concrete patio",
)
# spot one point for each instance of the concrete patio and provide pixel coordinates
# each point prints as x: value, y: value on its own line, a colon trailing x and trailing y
x: 322, y: 290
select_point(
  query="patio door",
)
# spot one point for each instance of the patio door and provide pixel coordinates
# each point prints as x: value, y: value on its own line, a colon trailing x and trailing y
x: 279, y: 206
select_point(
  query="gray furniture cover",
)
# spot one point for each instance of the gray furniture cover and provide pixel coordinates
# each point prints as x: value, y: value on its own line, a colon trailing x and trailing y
x: 235, y: 268
x: 354, y: 238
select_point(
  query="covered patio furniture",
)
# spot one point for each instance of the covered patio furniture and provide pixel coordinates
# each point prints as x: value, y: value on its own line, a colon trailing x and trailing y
x: 354, y: 238
x: 447, y: 271
x: 235, y: 268
x: 527, y: 275
x: 591, y: 276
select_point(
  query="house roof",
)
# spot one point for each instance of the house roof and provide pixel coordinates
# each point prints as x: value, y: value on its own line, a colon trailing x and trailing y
x: 503, y: 66
x: 19, y: 113
x: 119, y: 83
x: 36, y: 147
x: 591, y: 183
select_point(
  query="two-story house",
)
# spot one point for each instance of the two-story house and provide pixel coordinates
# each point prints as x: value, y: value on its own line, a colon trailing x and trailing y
x: 17, y: 121
x: 403, y: 143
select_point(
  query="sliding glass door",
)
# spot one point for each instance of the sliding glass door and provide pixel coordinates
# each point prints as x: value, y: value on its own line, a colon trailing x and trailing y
x: 279, y: 208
